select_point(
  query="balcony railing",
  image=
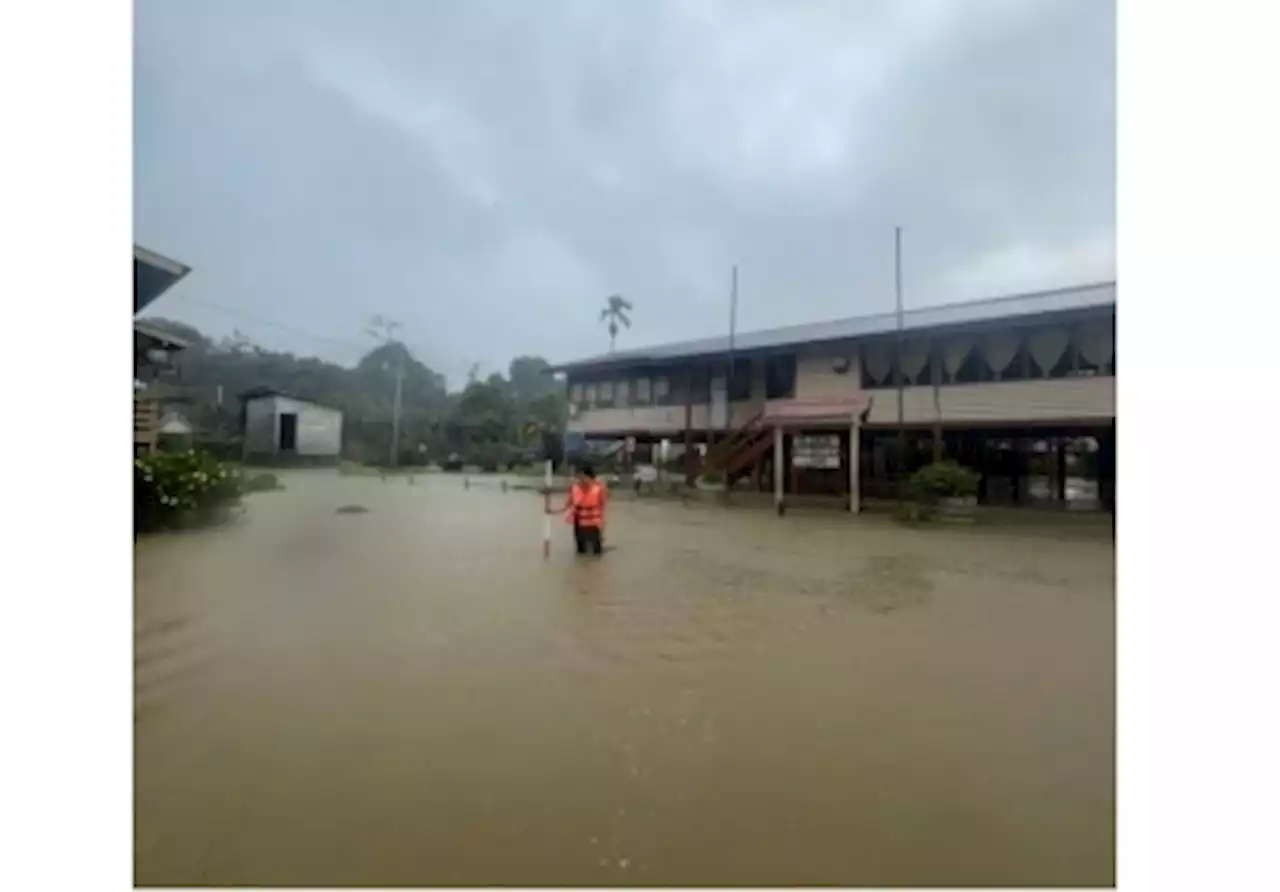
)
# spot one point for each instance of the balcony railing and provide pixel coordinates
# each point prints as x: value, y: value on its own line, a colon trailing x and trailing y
x: 146, y: 421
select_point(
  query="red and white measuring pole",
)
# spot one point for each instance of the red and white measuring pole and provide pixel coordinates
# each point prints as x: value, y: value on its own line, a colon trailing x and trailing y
x: 546, y: 515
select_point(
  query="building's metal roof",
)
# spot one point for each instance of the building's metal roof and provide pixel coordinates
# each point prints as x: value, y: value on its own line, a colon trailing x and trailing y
x: 264, y: 392
x: 155, y: 333
x: 1062, y: 300
x: 153, y: 275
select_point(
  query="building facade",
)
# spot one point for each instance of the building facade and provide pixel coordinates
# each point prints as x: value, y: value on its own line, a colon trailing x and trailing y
x: 1019, y: 387
x: 282, y: 429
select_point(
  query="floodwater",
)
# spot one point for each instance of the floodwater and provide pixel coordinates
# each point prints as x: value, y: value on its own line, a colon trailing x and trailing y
x: 412, y: 696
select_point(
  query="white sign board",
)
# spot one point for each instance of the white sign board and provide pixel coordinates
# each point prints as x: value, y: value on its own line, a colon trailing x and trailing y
x: 646, y: 473
x: 816, y: 451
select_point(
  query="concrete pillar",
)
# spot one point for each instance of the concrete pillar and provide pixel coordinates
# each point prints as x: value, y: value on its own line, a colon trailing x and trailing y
x: 777, y: 466
x: 855, y: 451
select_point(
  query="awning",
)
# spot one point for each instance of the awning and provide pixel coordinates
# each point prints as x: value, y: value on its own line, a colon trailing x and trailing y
x: 153, y: 275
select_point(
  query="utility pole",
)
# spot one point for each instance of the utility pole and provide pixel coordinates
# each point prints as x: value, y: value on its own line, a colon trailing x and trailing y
x: 395, y: 413
x: 384, y: 329
x: 897, y: 287
x: 733, y: 328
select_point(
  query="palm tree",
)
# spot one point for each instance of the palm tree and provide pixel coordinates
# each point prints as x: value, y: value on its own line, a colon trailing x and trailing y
x: 615, y: 311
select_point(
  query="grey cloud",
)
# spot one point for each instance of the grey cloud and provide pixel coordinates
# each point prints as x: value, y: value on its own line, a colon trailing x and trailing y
x: 489, y: 171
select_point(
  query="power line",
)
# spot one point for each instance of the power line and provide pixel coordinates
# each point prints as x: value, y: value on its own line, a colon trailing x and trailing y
x: 268, y: 322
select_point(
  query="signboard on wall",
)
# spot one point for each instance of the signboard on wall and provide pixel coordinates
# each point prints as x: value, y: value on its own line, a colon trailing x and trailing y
x: 816, y: 451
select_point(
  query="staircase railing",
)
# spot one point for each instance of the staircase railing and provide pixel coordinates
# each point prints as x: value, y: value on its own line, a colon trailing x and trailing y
x: 723, y: 452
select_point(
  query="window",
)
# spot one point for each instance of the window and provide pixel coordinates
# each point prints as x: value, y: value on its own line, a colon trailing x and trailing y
x: 661, y: 391
x: 575, y: 392
x: 740, y: 380
x: 604, y: 395
x: 925, y: 377
x: 622, y: 393
x: 698, y: 384
x: 1050, y: 352
x: 780, y: 377
x: 643, y: 392
x: 974, y: 368
x: 589, y: 396
x: 877, y: 365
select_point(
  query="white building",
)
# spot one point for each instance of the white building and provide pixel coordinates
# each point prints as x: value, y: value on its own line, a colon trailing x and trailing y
x: 285, y: 429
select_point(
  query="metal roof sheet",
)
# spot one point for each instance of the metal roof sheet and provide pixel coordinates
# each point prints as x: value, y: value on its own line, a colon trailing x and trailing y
x: 1081, y: 297
x: 153, y: 275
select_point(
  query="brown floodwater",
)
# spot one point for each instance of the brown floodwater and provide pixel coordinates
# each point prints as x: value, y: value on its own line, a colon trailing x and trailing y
x: 412, y: 696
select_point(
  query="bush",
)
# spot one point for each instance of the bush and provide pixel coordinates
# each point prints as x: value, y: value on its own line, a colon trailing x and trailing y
x: 712, y: 478
x: 169, y: 489
x: 261, y: 483
x: 943, y: 480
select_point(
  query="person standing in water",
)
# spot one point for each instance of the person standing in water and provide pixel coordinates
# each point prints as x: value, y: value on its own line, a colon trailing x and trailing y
x: 584, y: 508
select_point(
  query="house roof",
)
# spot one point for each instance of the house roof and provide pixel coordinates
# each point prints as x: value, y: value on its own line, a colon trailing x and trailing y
x: 1060, y: 300
x: 153, y: 275
x: 155, y: 333
x: 257, y: 393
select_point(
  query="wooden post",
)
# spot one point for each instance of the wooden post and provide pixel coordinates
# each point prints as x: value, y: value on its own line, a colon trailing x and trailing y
x: 1062, y: 471
x: 855, y: 452
x: 689, y: 475
x: 935, y: 375
x: 777, y: 467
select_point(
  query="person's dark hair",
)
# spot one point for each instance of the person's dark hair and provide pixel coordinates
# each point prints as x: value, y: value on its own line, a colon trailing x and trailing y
x: 587, y: 470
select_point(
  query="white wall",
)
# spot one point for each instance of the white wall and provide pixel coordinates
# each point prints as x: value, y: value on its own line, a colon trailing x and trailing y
x: 1040, y: 400
x: 319, y: 427
x: 816, y: 378
x: 260, y: 426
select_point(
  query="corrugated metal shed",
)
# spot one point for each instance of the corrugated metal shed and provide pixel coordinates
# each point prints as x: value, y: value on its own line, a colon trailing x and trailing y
x: 1061, y: 300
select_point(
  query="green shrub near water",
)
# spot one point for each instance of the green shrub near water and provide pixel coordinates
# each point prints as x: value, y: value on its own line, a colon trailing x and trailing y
x: 265, y: 482
x: 172, y: 488
x: 943, y: 480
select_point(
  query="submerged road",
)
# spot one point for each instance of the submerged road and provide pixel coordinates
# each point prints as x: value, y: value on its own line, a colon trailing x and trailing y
x: 412, y: 696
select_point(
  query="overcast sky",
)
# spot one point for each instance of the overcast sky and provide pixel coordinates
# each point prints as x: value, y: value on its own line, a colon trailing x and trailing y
x: 488, y: 172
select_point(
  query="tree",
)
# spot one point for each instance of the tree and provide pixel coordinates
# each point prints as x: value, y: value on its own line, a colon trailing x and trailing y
x: 615, y: 313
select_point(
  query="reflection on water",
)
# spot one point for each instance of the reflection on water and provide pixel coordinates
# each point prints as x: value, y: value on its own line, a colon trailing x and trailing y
x: 413, y: 697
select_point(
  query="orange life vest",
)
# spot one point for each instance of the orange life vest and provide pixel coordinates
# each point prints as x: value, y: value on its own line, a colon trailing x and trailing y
x: 585, y: 505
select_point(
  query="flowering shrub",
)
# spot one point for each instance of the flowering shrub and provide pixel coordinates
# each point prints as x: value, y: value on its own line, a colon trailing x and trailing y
x: 169, y: 488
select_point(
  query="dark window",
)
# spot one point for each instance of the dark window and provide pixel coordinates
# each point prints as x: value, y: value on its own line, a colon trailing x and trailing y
x: 1083, y: 368
x: 780, y: 377
x: 740, y: 380
x: 974, y: 369
x: 1063, y: 367
x: 877, y: 353
x: 696, y: 386
x: 1020, y: 368
x: 925, y: 378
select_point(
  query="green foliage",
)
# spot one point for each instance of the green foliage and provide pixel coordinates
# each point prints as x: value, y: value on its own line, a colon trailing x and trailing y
x: 615, y: 312
x: 712, y: 478
x: 943, y: 480
x: 171, y: 487
x: 262, y: 483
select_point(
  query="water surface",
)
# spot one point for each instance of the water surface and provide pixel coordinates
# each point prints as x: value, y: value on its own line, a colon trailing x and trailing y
x: 413, y: 697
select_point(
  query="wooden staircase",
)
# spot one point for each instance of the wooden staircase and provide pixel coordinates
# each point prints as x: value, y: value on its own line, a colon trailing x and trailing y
x: 734, y: 455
